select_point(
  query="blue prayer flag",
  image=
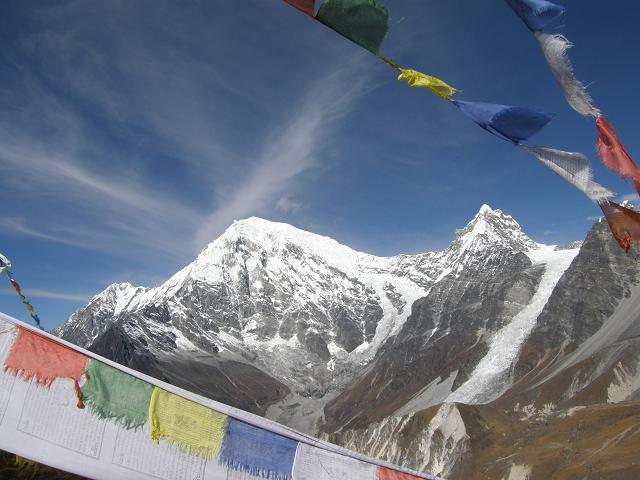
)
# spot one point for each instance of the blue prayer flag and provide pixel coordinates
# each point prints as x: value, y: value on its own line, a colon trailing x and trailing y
x: 258, y: 452
x: 509, y: 123
x: 536, y: 14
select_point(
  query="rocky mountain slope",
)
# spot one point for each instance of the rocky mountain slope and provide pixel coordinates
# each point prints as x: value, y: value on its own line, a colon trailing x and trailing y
x: 572, y: 407
x: 382, y: 354
x: 460, y: 441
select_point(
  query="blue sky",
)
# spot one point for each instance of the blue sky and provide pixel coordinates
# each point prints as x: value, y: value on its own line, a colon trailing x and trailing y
x: 133, y: 133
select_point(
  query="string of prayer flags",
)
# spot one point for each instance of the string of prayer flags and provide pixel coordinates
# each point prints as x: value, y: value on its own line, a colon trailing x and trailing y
x: 258, y: 452
x: 305, y: 6
x: 554, y: 48
x: 33, y: 356
x: 624, y: 224
x: 389, y: 474
x: 610, y: 150
x: 5, y: 266
x: 513, y: 124
x: 364, y: 22
x: 536, y: 14
x: 613, y: 154
x: 572, y: 167
x: 197, y: 440
x: 419, y: 79
x: 186, y: 424
x: 112, y: 394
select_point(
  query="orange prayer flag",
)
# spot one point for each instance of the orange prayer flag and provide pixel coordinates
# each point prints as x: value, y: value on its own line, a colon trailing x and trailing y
x: 35, y: 356
x: 624, y: 224
x: 305, y: 6
x: 389, y: 474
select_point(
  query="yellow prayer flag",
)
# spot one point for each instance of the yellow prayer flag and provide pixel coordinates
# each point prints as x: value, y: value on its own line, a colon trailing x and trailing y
x: 418, y: 79
x: 186, y: 424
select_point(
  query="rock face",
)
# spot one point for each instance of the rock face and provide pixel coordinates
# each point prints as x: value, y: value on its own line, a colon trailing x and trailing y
x: 452, y: 362
x: 459, y: 441
x: 571, y: 408
x: 445, y: 337
x: 590, y: 292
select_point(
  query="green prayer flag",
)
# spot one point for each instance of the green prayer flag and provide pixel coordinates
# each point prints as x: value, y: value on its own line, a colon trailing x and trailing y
x: 364, y: 22
x: 112, y: 394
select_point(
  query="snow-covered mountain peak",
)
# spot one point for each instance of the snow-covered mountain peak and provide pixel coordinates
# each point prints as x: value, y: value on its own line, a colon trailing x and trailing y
x: 258, y: 229
x: 273, y: 239
x: 491, y: 228
x: 117, y: 296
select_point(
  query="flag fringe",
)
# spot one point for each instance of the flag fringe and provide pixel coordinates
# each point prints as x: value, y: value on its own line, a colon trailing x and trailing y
x: 254, y: 470
x: 554, y: 48
x: 103, y: 413
x: 202, y: 452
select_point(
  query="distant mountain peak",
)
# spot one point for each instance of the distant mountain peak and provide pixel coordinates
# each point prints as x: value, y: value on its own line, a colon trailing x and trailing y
x: 118, y: 296
x: 487, y: 213
x: 492, y: 228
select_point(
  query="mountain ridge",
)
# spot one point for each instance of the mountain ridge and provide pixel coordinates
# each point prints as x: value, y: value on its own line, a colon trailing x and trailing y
x: 275, y: 282
x: 354, y: 347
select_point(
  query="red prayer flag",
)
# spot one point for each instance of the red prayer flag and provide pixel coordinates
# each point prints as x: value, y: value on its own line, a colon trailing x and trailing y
x: 306, y: 6
x: 624, y: 224
x: 389, y: 474
x: 35, y: 356
x: 16, y: 286
x: 613, y: 154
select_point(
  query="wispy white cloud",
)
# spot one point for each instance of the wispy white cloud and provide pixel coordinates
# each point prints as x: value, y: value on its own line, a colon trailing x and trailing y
x: 35, y: 293
x: 286, y: 204
x: 18, y: 226
x: 288, y: 151
x: 111, y: 103
x: 93, y: 210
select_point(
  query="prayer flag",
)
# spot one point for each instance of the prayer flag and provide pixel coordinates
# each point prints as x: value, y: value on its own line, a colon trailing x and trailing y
x: 364, y: 22
x: 306, y: 6
x: 536, y: 14
x: 435, y: 85
x: 35, y: 356
x: 186, y: 424
x: 385, y: 473
x: 613, y: 154
x: 554, y: 48
x: 572, y: 167
x: 258, y: 452
x: 509, y: 123
x: 4, y: 263
x: 16, y: 286
x: 624, y: 224
x: 110, y: 393
x: 316, y: 464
